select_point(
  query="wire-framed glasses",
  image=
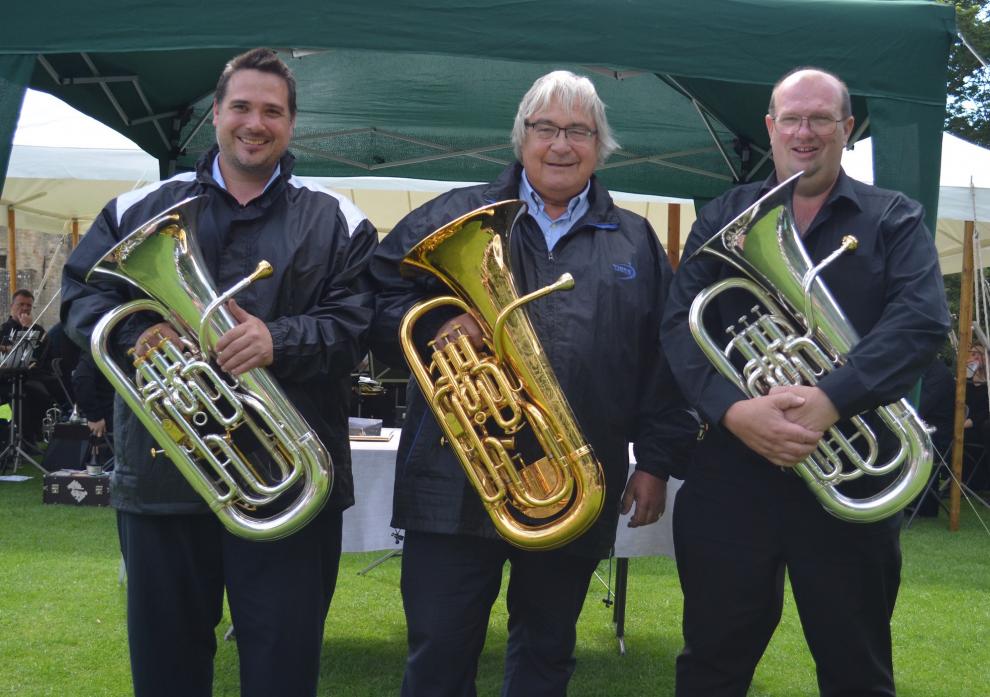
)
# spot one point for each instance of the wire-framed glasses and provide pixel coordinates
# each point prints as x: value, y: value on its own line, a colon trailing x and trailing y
x: 547, y: 131
x: 789, y: 124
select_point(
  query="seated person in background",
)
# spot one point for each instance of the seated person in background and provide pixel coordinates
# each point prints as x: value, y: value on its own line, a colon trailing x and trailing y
x: 21, y: 307
x: 36, y: 395
x: 977, y: 433
x: 94, y: 396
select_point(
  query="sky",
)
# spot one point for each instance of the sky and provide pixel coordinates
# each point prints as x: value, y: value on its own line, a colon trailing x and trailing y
x: 48, y: 121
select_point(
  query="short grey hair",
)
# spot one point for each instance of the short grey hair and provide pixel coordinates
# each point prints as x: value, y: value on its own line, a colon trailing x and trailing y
x: 571, y: 91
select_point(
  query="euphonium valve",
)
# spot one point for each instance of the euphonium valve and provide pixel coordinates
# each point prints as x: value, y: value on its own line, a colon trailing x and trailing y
x: 238, y: 441
x: 794, y: 335
x: 488, y: 400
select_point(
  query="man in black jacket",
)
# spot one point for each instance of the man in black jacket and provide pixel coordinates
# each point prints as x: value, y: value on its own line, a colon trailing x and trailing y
x: 602, y: 341
x: 307, y: 324
x: 740, y: 521
x: 25, y: 343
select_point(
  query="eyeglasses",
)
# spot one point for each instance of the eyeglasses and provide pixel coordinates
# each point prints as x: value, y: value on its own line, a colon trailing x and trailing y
x: 547, y: 131
x: 819, y: 125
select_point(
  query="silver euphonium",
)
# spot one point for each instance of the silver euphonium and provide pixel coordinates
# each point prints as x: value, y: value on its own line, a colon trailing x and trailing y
x: 192, y: 410
x: 796, y: 334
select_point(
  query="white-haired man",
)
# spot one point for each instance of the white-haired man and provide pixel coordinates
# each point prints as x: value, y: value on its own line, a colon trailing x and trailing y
x: 601, y: 339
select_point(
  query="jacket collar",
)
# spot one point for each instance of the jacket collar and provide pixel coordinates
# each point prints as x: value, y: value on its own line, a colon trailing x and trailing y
x: 601, y: 211
x: 843, y: 190
x: 204, y: 172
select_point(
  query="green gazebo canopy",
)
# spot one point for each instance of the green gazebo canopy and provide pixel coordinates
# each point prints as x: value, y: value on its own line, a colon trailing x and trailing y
x: 429, y: 89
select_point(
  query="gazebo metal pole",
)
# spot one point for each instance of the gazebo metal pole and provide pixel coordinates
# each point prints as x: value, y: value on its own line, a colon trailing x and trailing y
x: 11, y: 250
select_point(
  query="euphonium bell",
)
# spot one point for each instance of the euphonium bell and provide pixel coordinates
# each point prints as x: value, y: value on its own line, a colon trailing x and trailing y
x: 192, y: 410
x: 486, y: 400
x: 796, y: 334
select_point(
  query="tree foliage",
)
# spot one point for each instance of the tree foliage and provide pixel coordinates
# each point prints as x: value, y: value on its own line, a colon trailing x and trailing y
x: 968, y: 106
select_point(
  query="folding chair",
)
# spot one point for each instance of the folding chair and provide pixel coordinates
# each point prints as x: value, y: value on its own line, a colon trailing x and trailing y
x: 974, y: 466
x: 942, y: 464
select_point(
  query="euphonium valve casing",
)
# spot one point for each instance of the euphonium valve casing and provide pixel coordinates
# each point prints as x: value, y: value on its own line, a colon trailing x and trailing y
x: 199, y: 416
x: 796, y: 334
x: 486, y: 399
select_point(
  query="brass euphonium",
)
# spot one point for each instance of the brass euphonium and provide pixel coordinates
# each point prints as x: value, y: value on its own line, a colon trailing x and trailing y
x: 484, y: 400
x: 192, y: 410
x: 799, y: 335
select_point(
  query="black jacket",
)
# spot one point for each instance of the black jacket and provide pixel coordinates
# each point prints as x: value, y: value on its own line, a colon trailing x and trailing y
x: 601, y: 338
x: 315, y: 306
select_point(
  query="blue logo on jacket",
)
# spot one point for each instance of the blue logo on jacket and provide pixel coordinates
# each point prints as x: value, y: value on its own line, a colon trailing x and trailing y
x: 625, y: 272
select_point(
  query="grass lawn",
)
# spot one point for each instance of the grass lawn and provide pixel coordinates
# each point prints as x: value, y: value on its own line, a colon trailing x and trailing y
x: 62, y: 612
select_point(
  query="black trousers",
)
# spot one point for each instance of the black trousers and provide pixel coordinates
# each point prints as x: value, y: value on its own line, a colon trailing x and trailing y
x: 449, y: 584
x: 733, y: 546
x: 279, y: 594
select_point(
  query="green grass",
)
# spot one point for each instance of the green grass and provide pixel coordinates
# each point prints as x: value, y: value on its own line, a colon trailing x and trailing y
x: 62, y: 612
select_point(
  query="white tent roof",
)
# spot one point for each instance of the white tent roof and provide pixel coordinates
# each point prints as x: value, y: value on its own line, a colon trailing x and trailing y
x: 964, y: 194
x: 964, y: 180
x: 50, y: 186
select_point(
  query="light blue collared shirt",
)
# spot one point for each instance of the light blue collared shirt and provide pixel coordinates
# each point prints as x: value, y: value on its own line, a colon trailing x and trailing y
x: 553, y: 230
x: 223, y: 185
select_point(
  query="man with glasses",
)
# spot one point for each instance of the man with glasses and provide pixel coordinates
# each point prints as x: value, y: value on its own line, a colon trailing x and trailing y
x: 740, y: 521
x: 602, y: 340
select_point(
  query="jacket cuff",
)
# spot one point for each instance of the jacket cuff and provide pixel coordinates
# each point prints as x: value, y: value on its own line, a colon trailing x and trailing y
x: 278, y: 331
x: 652, y: 468
x: 716, y: 400
x: 848, y: 395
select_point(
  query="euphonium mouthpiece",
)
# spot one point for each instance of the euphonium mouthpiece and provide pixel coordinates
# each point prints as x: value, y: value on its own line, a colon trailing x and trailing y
x: 262, y: 270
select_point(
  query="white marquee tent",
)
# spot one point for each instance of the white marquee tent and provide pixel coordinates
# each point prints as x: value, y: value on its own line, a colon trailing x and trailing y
x: 50, y: 184
x: 49, y: 187
x: 964, y: 194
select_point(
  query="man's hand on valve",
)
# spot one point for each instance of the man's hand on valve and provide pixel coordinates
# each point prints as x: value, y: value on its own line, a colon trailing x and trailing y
x: 154, y: 335
x: 246, y: 346
x: 467, y: 324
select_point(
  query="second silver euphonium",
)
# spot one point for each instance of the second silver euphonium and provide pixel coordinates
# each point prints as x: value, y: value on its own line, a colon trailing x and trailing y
x: 194, y: 411
x: 796, y: 334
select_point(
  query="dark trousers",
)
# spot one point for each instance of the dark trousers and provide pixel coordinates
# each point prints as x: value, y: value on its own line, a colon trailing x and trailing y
x: 449, y: 584
x: 279, y: 594
x: 733, y: 546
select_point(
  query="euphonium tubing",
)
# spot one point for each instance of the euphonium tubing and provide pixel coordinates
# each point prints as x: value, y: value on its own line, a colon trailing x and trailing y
x: 177, y: 394
x: 799, y: 335
x: 484, y: 399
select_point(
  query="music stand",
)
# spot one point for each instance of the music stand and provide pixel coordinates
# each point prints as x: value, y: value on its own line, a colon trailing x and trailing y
x: 14, y: 366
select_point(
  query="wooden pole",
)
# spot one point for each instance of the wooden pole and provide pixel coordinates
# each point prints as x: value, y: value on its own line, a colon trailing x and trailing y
x: 11, y: 250
x: 674, y: 233
x: 965, y: 334
x: 75, y: 232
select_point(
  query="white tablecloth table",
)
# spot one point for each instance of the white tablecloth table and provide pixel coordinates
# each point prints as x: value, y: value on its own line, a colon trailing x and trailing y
x: 366, y: 524
x: 367, y: 528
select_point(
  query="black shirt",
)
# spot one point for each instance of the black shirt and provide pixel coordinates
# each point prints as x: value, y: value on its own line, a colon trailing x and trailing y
x: 889, y: 287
